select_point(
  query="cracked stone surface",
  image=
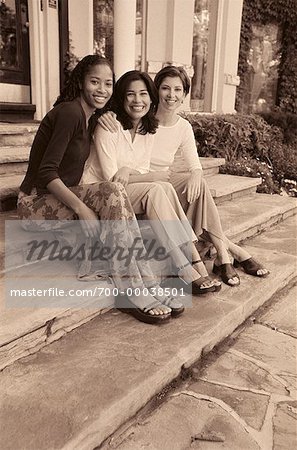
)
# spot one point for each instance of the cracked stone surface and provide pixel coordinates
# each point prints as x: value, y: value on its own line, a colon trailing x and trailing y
x: 282, y: 315
x: 284, y: 425
x: 175, y: 422
x: 243, y: 390
x: 274, y: 349
x: 248, y: 405
x: 231, y: 369
x: 90, y: 382
x: 283, y: 237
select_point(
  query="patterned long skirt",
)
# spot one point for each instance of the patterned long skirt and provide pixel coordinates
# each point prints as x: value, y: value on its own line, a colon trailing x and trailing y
x: 118, y: 227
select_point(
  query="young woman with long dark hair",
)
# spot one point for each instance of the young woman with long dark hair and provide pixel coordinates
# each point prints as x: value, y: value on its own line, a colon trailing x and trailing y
x: 51, y: 190
x: 124, y: 156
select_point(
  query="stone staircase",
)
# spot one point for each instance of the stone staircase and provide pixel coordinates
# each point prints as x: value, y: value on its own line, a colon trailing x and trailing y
x: 29, y: 327
x: 15, y: 142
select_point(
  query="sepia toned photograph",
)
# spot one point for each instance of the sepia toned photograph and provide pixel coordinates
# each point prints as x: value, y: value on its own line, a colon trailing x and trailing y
x: 148, y: 232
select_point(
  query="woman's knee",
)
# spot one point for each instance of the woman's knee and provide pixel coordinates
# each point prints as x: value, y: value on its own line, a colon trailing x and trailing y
x: 108, y: 188
x: 167, y: 186
x: 156, y: 189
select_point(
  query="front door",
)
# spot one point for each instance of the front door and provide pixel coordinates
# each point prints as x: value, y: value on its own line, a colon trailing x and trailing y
x: 14, y: 51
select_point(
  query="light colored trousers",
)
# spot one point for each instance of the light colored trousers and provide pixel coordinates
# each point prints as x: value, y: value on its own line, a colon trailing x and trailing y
x: 202, y: 213
x: 161, y: 206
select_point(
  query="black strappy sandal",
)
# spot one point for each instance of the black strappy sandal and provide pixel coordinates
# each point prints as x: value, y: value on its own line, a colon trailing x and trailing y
x: 251, y: 267
x: 216, y: 283
x: 124, y: 304
x: 226, y: 272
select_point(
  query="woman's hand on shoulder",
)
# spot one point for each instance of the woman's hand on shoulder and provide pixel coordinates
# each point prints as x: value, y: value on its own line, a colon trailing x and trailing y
x: 108, y: 122
x: 193, y: 186
x: 122, y: 176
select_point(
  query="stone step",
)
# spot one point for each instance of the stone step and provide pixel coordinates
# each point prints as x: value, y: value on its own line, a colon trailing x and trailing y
x: 113, y: 365
x: 14, y: 154
x: 27, y: 323
x: 26, y: 320
x: 242, y: 218
x: 246, y: 217
x: 229, y: 187
x: 211, y: 166
x: 9, y: 188
x: 9, y: 183
x: 17, y: 134
x: 16, y: 168
x: 14, y: 160
x: 222, y: 187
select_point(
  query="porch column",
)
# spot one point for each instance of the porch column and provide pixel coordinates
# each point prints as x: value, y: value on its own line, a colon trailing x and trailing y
x: 81, y: 27
x: 170, y: 36
x: 124, y: 36
x: 226, y: 53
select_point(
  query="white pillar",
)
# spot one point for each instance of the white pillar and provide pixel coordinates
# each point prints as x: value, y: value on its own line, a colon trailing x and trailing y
x: 231, y: 80
x: 51, y: 52
x: 37, y: 59
x: 170, y: 35
x: 124, y: 36
x: 224, y: 70
x: 81, y: 27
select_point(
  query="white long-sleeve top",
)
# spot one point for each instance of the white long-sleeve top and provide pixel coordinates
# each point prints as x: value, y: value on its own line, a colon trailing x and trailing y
x: 175, y: 147
x: 112, y: 151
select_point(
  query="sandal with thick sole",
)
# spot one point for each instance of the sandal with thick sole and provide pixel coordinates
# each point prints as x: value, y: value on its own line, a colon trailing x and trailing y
x: 195, y: 287
x: 251, y: 267
x: 226, y: 272
x: 216, y: 283
x: 124, y: 304
x: 177, y: 308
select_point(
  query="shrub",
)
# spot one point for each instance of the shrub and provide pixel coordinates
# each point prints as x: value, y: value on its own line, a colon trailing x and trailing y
x: 248, y: 167
x: 286, y: 122
x: 251, y: 145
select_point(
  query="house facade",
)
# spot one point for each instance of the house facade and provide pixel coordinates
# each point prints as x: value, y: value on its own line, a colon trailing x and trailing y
x: 201, y: 35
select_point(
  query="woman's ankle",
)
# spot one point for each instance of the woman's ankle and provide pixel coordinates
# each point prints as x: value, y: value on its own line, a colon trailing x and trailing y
x: 238, y: 252
x: 200, y: 268
x: 188, y: 274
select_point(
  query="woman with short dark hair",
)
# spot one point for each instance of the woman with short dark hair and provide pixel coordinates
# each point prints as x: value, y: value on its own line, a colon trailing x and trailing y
x: 174, y: 157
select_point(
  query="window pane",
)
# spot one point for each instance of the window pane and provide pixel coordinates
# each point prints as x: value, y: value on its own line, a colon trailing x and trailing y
x: 263, y: 60
x: 8, y: 37
x: 199, y: 53
x: 103, y: 28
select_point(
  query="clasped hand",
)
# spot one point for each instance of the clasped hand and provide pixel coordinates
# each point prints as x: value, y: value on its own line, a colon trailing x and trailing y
x: 192, y: 188
x: 122, y: 176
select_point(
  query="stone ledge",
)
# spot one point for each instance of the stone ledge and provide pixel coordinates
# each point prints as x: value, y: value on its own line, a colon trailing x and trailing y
x: 225, y: 185
x: 248, y: 216
x: 113, y: 365
x: 14, y: 154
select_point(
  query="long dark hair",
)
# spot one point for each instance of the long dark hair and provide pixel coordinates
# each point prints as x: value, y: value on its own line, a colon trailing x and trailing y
x: 149, y: 123
x: 173, y: 71
x: 76, y: 79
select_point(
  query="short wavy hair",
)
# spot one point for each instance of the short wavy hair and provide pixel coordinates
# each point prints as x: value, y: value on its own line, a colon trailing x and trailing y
x: 149, y: 123
x: 173, y: 71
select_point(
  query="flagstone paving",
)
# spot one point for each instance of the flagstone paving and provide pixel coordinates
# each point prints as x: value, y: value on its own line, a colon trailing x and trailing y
x: 243, y: 395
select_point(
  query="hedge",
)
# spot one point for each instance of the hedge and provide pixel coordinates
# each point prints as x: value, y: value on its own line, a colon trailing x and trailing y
x: 252, y: 145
